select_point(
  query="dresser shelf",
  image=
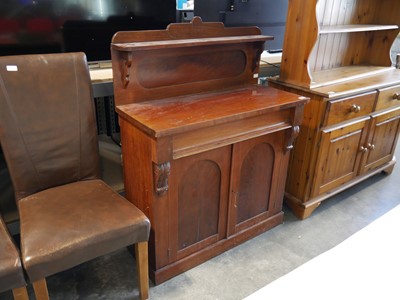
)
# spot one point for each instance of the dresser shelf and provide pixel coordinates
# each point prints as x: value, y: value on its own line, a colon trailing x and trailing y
x: 338, y: 54
x: 355, y: 28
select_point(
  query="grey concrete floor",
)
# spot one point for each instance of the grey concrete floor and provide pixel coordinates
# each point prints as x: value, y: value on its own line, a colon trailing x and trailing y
x: 241, y: 271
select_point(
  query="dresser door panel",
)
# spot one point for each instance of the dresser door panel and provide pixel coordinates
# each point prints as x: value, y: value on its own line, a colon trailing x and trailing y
x: 340, y: 155
x: 382, y: 140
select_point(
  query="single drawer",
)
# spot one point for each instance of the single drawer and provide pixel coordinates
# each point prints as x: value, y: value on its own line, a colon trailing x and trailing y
x: 348, y: 108
x: 388, y: 97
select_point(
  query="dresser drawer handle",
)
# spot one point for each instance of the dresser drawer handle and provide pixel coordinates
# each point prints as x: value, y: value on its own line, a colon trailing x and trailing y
x: 396, y: 96
x: 363, y: 149
x: 370, y: 146
x: 355, y: 108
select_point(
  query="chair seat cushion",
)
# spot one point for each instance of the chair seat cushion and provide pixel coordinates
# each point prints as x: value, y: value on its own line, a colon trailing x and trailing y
x: 11, y: 275
x: 102, y: 221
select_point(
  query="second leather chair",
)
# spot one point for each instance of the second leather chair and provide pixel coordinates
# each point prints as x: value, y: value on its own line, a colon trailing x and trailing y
x: 11, y: 272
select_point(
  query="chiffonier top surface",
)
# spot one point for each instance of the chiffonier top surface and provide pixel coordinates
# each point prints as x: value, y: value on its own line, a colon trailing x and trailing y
x: 191, y: 42
x: 180, y: 114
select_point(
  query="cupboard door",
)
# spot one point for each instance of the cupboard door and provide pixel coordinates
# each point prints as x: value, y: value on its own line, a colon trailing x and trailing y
x: 256, y: 189
x: 198, y: 201
x: 382, y: 140
x: 339, y: 158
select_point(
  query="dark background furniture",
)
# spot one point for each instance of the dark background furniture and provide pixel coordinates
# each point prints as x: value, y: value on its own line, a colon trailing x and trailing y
x: 268, y: 15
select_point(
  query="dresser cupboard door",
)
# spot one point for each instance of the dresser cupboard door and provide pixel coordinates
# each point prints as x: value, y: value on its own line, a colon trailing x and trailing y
x: 198, y: 197
x: 382, y: 140
x: 256, y: 181
x: 340, y: 153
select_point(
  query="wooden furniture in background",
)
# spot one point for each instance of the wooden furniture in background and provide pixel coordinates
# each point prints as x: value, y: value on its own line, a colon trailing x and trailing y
x: 338, y: 54
x: 205, y: 149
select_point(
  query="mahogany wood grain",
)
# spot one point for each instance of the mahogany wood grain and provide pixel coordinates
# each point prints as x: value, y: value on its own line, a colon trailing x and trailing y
x: 139, y: 57
x: 167, y: 116
x: 138, y: 153
x: 198, y: 201
x: 205, y: 150
x: 178, y: 31
x: 255, y: 181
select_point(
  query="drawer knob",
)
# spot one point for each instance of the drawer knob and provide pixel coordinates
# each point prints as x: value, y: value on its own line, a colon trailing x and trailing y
x: 363, y: 149
x: 396, y: 96
x: 370, y: 146
x: 355, y: 108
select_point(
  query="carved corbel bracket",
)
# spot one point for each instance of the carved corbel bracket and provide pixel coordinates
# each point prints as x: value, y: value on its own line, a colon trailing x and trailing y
x: 291, y: 136
x: 160, y: 177
x: 125, y: 71
x: 257, y: 56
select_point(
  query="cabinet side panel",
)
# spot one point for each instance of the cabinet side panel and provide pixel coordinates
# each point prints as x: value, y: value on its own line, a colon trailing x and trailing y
x: 138, y: 181
x: 303, y: 156
x: 137, y: 165
x: 300, y: 37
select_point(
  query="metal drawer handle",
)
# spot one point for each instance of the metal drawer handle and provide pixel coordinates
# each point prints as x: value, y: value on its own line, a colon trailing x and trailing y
x: 355, y: 108
x: 396, y: 96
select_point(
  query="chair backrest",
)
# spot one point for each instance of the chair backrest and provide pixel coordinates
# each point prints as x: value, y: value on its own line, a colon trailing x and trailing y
x: 47, y: 121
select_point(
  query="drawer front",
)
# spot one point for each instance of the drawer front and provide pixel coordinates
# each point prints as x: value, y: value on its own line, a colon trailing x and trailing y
x: 388, y: 97
x: 345, y: 109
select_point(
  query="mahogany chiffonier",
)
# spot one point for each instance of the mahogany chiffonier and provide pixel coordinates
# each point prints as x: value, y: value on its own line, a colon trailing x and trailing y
x: 205, y: 149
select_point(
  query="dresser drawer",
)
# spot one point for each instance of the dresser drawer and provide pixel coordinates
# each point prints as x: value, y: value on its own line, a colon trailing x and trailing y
x: 348, y: 108
x: 388, y: 97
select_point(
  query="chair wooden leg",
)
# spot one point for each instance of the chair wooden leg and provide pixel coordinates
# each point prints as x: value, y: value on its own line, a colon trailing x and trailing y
x: 20, y: 293
x: 40, y: 288
x: 142, y: 269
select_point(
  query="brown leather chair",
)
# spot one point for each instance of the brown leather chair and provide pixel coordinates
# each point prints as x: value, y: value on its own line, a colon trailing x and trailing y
x: 68, y: 215
x: 11, y: 272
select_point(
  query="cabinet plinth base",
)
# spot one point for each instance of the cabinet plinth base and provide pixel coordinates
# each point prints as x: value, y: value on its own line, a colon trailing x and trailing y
x: 300, y: 210
x: 389, y: 169
x: 303, y: 210
x: 184, y: 264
